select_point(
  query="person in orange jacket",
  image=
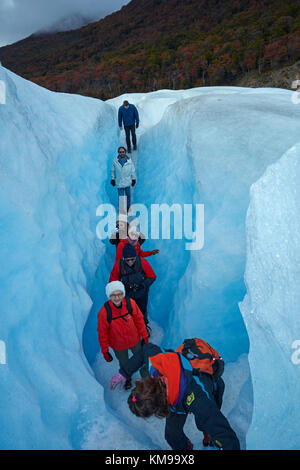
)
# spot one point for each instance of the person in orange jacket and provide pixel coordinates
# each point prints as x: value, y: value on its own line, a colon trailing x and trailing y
x: 137, y: 276
x: 121, y: 326
x: 173, y: 391
x: 133, y: 239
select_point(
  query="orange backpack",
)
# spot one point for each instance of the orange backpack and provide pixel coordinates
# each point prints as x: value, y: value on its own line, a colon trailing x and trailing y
x: 202, y: 357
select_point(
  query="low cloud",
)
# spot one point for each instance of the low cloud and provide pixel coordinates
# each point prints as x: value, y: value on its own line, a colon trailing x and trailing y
x: 21, y: 18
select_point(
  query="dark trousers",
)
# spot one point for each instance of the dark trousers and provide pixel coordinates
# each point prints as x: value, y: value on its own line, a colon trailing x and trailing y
x: 174, y: 434
x: 130, y: 130
x: 123, y: 357
x: 142, y: 303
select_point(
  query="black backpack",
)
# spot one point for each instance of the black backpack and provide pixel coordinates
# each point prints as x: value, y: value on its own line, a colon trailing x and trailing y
x: 109, y: 312
x: 138, y: 264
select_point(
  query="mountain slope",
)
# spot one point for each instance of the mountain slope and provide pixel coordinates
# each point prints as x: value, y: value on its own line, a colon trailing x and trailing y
x: 152, y: 44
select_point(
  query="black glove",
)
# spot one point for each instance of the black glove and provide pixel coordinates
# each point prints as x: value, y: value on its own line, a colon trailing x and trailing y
x: 133, y: 182
x: 107, y: 356
x: 137, y: 125
x: 112, y: 182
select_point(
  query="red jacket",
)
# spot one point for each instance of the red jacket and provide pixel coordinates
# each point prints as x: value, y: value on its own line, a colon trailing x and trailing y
x: 115, y: 273
x: 139, y: 251
x: 122, y: 333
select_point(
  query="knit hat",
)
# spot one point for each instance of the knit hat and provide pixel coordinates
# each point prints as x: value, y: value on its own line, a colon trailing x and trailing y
x: 122, y: 217
x: 113, y: 286
x: 129, y: 251
x: 133, y: 233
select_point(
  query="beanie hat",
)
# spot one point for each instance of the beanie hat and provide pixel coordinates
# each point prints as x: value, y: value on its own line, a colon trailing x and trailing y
x: 122, y: 217
x: 133, y: 233
x: 129, y: 251
x: 113, y: 286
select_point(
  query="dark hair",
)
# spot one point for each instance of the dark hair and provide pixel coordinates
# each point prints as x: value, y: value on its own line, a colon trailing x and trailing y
x: 149, y: 397
x: 121, y: 148
x: 125, y: 103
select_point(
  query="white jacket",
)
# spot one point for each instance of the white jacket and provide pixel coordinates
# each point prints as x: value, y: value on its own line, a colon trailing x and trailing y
x: 123, y: 175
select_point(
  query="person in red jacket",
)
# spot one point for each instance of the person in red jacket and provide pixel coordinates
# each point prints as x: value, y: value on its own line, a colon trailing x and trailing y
x: 121, y: 326
x: 137, y: 276
x: 133, y: 239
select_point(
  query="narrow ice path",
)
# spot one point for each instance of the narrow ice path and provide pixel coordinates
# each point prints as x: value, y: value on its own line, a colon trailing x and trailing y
x: 149, y: 434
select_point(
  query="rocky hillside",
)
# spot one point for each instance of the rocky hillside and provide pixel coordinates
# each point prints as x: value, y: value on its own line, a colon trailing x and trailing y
x: 154, y: 44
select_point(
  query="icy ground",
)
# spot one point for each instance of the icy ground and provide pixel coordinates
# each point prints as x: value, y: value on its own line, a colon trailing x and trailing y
x: 232, y: 149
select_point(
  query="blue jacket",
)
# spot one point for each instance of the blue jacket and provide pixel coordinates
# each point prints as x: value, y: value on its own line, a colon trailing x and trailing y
x: 129, y: 116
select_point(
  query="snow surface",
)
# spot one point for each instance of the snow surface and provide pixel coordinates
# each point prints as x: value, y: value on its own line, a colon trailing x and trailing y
x: 218, y: 146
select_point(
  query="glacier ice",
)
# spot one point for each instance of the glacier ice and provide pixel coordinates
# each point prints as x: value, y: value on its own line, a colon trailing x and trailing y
x: 218, y: 146
x: 271, y: 306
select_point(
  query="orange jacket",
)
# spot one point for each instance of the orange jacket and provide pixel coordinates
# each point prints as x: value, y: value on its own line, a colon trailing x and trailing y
x: 121, y: 333
x: 168, y: 364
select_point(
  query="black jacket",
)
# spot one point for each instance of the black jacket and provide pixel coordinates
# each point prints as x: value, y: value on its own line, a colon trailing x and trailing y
x: 134, y: 279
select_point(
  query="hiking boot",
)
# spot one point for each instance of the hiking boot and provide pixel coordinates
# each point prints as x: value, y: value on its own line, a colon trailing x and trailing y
x: 206, y: 440
x: 129, y: 150
x: 128, y: 384
x: 134, y: 147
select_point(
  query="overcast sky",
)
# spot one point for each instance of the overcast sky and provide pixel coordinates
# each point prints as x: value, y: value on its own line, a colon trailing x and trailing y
x: 20, y: 18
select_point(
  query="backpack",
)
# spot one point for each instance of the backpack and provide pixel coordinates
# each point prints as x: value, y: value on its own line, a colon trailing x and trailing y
x: 202, y: 357
x: 109, y: 312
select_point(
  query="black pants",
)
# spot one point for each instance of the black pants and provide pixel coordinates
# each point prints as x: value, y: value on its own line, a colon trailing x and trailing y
x: 128, y: 130
x: 123, y: 357
x: 174, y: 434
x: 142, y: 303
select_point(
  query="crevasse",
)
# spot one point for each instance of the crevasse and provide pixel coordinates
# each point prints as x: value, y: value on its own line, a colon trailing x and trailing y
x: 205, y: 145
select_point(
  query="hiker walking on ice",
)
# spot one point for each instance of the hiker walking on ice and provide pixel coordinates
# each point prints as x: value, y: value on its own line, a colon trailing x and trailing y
x: 129, y: 117
x: 137, y: 276
x: 174, y: 388
x: 123, y: 176
x: 121, y: 326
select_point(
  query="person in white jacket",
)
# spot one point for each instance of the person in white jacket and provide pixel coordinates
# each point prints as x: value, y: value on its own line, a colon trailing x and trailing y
x: 123, y: 176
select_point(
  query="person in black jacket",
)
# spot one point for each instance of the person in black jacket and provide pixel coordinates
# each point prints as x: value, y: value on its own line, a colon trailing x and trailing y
x: 172, y: 391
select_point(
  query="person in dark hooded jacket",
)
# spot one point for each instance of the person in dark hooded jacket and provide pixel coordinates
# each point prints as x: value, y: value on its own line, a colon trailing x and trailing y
x: 137, y: 276
x: 172, y: 391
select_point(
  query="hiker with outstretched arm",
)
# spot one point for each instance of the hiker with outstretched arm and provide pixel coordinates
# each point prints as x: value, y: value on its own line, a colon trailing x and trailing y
x: 129, y: 117
x: 174, y: 389
x: 137, y: 276
x: 121, y: 326
x: 133, y: 238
